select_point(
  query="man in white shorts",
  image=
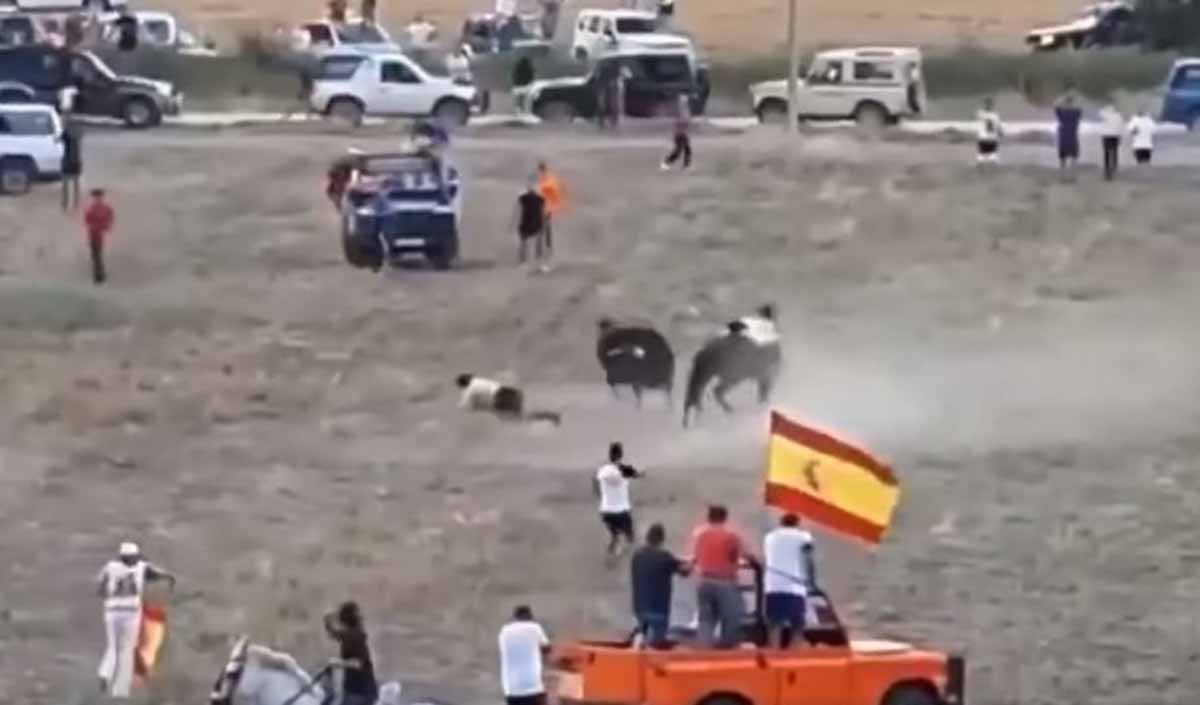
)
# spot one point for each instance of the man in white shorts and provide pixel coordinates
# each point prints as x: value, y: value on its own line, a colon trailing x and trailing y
x: 121, y: 583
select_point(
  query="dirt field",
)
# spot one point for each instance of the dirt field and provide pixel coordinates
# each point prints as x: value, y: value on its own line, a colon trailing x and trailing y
x: 281, y: 429
x: 726, y: 27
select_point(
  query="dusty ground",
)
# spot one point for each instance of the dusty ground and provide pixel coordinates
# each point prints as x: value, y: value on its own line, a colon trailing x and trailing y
x: 728, y: 28
x: 281, y: 429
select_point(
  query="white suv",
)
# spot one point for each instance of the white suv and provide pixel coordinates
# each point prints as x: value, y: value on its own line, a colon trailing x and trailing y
x: 351, y: 86
x: 31, y: 145
x: 600, y: 32
x: 872, y: 86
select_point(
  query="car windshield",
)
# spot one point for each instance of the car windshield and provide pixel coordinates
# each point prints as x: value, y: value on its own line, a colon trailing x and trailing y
x: 360, y: 33
x: 157, y: 31
x: 94, y: 62
x: 339, y: 68
x: 431, y: 64
x: 26, y: 123
x: 635, y: 25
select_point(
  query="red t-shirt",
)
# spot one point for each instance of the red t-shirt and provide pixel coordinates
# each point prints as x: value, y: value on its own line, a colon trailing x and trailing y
x: 99, y: 219
x: 717, y: 551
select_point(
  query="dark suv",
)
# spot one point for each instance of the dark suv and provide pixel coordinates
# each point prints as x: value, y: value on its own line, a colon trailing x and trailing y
x: 46, y: 74
x: 654, y: 80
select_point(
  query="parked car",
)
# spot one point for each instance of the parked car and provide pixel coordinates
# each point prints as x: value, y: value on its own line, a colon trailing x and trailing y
x: 161, y: 30
x: 872, y: 86
x: 401, y: 204
x: 600, y: 32
x: 350, y: 86
x: 66, y: 5
x: 357, y: 35
x: 31, y: 146
x: 51, y: 75
x: 656, y: 80
x: 1181, y: 104
x: 1104, y: 24
x: 489, y: 33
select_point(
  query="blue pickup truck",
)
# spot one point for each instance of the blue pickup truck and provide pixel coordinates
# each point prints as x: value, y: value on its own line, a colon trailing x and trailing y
x: 1182, y: 102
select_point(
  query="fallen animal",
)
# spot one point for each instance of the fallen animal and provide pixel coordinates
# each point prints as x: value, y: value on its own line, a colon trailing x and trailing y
x: 635, y: 356
x: 731, y: 359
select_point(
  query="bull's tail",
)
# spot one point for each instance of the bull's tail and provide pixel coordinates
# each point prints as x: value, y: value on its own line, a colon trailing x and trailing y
x: 697, y: 381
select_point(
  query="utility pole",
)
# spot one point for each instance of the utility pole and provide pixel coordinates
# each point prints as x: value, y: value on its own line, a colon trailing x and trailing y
x: 793, y: 119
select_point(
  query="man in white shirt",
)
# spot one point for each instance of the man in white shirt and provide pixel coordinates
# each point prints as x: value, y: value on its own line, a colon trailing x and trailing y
x: 612, y: 487
x: 790, y: 573
x: 1141, y: 129
x: 523, y: 642
x: 121, y: 583
x: 761, y: 327
x: 989, y: 132
x: 1112, y: 127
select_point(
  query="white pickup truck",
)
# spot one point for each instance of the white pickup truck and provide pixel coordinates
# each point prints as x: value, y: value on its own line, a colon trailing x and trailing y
x: 31, y: 146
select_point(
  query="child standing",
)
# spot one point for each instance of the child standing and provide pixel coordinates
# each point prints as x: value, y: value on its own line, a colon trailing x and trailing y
x: 1112, y: 126
x: 1141, y: 130
x: 990, y: 130
x: 682, y: 140
x: 98, y: 220
x: 530, y: 217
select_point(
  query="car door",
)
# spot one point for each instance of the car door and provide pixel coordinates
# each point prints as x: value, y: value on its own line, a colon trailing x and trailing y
x: 824, y: 90
x: 402, y: 91
x: 95, y: 93
x: 46, y: 71
x: 1183, y: 96
x: 812, y: 675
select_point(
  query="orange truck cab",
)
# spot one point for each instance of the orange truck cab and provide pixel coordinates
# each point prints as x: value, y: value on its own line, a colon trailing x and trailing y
x: 828, y: 668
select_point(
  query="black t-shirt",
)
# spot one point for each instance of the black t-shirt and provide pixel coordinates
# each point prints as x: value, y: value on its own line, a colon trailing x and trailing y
x: 127, y: 33
x: 359, y: 681
x: 72, y: 161
x: 652, y: 571
x: 533, y: 213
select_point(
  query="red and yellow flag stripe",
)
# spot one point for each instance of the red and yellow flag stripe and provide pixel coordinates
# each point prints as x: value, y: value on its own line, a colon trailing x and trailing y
x: 828, y: 481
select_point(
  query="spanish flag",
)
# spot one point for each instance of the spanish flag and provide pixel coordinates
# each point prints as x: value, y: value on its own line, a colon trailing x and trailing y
x: 150, y: 640
x: 829, y: 481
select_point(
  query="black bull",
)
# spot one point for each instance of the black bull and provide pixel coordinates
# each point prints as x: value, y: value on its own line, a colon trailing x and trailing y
x: 636, y: 357
x: 731, y: 360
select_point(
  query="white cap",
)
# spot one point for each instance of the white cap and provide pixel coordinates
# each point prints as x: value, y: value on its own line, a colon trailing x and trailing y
x: 130, y: 549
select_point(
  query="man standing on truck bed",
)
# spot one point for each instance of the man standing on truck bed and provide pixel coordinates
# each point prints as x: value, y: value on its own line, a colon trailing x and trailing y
x: 717, y: 552
x: 652, y: 572
x: 788, y: 552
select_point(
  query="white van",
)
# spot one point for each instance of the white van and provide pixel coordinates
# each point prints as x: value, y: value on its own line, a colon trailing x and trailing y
x: 600, y: 32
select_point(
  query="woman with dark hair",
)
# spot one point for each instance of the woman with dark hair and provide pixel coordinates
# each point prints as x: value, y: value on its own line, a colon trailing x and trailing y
x: 346, y: 628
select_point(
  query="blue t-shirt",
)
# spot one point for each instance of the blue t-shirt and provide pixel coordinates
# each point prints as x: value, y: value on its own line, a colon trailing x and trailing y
x: 1068, y: 121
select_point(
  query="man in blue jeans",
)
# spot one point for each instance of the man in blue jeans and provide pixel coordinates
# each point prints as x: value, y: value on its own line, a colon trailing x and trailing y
x: 652, y: 570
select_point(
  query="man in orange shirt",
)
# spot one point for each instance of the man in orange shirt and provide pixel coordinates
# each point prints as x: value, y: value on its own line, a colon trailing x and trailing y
x: 556, y: 201
x: 717, y: 553
x: 98, y: 219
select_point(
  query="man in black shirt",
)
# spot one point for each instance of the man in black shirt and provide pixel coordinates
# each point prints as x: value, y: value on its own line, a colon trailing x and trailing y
x: 72, y: 164
x: 530, y: 219
x: 127, y: 31
x: 652, y: 570
x: 346, y: 627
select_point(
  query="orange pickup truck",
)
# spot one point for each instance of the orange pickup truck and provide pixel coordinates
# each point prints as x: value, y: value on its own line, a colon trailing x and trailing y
x: 828, y: 669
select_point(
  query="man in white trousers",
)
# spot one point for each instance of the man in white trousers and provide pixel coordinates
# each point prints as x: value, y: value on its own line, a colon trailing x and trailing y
x: 121, y: 583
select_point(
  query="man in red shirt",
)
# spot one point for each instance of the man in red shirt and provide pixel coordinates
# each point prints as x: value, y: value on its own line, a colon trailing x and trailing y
x: 98, y: 219
x: 717, y: 553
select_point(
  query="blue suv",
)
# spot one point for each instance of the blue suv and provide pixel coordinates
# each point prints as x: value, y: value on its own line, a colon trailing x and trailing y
x: 1182, y: 104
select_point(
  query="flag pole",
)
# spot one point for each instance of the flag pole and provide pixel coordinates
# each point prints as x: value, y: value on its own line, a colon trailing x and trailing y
x: 793, y: 120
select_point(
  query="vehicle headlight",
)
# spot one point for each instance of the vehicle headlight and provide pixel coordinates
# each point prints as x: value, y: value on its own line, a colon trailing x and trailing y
x: 1046, y: 39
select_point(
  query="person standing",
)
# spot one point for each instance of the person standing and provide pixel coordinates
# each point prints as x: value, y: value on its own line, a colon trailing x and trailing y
x: 989, y: 132
x: 788, y: 552
x: 682, y: 140
x: 717, y: 552
x: 530, y: 217
x: 523, y: 643
x: 522, y: 78
x: 551, y: 189
x: 72, y: 164
x: 1068, y: 115
x: 99, y: 219
x: 122, y: 583
x: 652, y: 572
x: 1141, y: 130
x: 611, y: 485
x: 551, y: 9
x: 354, y: 655
x: 1112, y: 126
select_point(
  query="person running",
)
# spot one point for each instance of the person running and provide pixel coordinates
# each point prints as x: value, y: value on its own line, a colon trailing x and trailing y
x: 611, y: 485
x: 530, y: 220
x: 98, y: 219
x: 551, y: 190
x: 682, y: 140
x: 72, y: 164
x: 788, y: 552
x: 989, y: 132
x: 523, y: 644
x: 652, y: 572
x: 1141, y: 132
x: 1112, y: 126
x: 122, y: 583
x: 717, y: 553
x: 1069, y: 115
x: 347, y: 629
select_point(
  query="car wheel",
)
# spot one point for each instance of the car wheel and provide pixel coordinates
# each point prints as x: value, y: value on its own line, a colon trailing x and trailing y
x: 724, y: 700
x: 556, y: 112
x: 772, y: 111
x: 452, y: 112
x: 870, y: 115
x: 911, y: 695
x: 347, y: 111
x: 140, y: 113
x: 16, y: 176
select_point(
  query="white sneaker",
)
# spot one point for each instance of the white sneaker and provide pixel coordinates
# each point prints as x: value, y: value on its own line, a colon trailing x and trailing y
x: 664, y: 166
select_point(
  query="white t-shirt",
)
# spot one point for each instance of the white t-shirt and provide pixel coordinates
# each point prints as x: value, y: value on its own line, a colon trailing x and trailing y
x: 521, y: 658
x: 506, y: 7
x: 480, y: 394
x: 990, y: 128
x: 1142, y: 127
x: 761, y: 330
x: 787, y: 572
x: 123, y: 584
x: 1111, y: 122
x: 614, y: 490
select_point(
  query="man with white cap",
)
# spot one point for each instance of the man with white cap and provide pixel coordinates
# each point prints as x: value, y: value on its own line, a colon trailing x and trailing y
x: 121, y: 583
